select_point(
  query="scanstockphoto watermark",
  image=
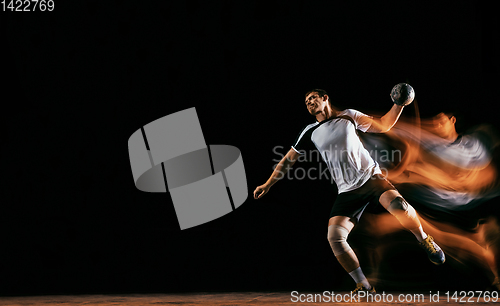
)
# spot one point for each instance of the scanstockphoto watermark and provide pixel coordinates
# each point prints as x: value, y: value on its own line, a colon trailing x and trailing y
x: 360, y: 296
x: 363, y: 296
x: 321, y: 171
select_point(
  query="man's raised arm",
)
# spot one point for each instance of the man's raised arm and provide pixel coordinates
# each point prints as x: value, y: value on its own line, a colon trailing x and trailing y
x: 387, y: 121
x: 279, y: 172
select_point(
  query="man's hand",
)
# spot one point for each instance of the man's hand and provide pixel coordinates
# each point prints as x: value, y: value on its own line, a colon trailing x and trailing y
x: 260, y: 191
x: 279, y: 171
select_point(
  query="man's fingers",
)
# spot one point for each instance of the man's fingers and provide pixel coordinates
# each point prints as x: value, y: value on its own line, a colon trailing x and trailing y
x: 255, y: 196
x: 261, y: 194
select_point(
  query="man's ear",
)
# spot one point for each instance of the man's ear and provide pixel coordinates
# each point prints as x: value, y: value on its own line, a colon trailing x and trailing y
x: 453, y: 119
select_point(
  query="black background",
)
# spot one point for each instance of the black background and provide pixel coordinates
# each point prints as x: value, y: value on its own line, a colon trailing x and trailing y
x: 78, y: 81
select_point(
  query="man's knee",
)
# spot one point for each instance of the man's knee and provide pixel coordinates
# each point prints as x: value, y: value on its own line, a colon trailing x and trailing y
x: 399, y: 206
x: 337, y: 237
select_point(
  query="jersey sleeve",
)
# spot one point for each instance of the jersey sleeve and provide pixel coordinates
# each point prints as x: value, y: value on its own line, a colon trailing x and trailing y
x: 361, y: 120
x: 303, y: 142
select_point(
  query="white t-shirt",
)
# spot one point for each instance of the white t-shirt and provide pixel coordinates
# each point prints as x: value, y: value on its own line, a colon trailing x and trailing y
x: 467, y: 152
x: 350, y: 164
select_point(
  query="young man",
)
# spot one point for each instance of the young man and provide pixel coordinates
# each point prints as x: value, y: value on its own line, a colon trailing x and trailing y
x: 357, y: 175
x: 443, y: 125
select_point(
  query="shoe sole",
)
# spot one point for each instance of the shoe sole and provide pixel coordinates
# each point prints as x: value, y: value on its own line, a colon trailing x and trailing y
x: 438, y: 263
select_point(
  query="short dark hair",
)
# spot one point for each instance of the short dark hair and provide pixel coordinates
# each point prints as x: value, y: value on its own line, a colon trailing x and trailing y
x: 321, y: 92
x: 452, y: 112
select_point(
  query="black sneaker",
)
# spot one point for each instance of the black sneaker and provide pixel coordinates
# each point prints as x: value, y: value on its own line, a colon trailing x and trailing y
x: 434, y: 252
x: 360, y: 287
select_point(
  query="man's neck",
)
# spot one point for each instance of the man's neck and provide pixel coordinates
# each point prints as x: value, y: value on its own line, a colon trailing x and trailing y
x: 452, y: 137
x: 327, y: 113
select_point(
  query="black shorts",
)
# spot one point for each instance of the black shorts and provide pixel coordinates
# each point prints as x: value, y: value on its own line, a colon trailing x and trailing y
x: 353, y: 203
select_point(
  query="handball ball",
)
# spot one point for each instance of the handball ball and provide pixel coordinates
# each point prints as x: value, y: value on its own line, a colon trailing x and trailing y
x: 402, y: 94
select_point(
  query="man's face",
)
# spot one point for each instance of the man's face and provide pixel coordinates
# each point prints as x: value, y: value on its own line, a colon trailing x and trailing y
x: 443, y: 125
x: 315, y: 103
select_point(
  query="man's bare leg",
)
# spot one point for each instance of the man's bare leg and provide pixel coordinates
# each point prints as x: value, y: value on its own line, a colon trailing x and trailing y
x: 407, y: 216
x: 339, y: 228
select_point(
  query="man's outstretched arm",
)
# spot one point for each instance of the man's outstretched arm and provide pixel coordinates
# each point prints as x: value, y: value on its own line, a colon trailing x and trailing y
x: 279, y: 172
x: 387, y: 121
